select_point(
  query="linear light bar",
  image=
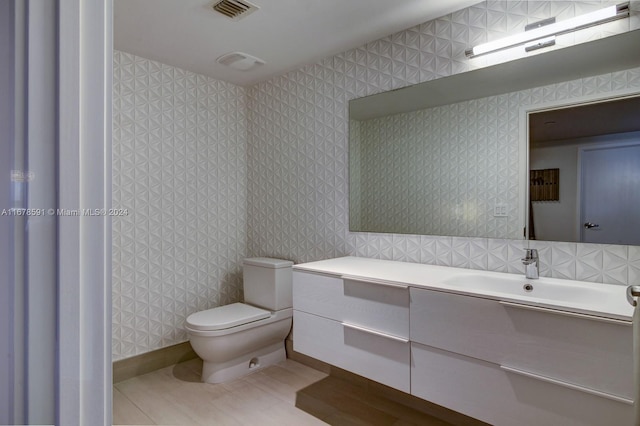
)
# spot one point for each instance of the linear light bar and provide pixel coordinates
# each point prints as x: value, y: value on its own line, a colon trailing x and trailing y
x: 598, y: 17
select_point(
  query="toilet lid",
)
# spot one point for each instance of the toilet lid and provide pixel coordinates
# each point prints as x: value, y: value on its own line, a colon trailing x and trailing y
x: 225, y: 317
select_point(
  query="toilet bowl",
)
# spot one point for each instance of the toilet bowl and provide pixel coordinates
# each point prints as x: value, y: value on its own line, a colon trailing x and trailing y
x: 237, y: 339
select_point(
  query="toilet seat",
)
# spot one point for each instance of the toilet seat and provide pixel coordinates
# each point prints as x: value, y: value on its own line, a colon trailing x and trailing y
x: 224, y: 317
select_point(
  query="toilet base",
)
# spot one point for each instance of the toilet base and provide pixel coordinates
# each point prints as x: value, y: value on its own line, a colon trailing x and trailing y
x: 243, y: 365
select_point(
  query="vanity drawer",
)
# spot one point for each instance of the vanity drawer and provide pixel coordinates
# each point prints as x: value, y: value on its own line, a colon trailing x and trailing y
x: 379, y: 306
x: 467, y: 325
x: 382, y: 358
x: 577, y: 349
x: 507, y: 397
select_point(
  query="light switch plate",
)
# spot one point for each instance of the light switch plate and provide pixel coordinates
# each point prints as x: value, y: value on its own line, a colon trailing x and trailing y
x: 500, y: 210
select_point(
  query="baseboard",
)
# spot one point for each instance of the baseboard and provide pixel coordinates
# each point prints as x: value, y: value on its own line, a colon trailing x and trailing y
x: 306, y: 360
x: 150, y: 361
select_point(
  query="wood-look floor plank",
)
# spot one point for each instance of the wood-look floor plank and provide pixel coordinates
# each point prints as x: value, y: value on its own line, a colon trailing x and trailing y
x: 285, y: 380
x: 285, y: 394
x: 337, y: 396
x: 288, y: 414
x: 126, y: 412
x: 339, y: 402
x: 400, y: 411
x: 158, y: 405
x: 289, y: 377
x: 311, y: 374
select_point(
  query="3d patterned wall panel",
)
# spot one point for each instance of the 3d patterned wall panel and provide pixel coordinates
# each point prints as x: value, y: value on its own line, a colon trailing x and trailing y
x: 437, y: 171
x: 298, y: 147
x: 179, y: 167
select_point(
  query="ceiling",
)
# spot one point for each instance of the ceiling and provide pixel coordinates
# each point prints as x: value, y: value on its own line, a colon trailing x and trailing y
x: 618, y: 116
x: 286, y: 34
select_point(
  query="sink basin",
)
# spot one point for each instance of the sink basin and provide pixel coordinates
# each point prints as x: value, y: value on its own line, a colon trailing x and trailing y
x: 544, y: 289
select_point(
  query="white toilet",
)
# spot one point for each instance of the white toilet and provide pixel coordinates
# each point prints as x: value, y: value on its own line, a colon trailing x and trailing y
x: 239, y: 338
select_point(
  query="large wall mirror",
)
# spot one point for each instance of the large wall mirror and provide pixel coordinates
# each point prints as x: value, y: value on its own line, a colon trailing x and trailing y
x: 448, y: 157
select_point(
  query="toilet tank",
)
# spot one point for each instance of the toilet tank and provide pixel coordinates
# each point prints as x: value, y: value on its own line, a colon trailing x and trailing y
x: 267, y: 283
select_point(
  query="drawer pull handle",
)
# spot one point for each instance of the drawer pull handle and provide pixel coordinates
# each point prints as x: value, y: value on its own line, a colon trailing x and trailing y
x: 567, y: 385
x: 377, y: 333
x: 374, y: 281
x: 565, y: 313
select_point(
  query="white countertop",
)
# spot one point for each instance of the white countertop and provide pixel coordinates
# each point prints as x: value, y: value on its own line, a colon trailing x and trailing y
x: 596, y: 299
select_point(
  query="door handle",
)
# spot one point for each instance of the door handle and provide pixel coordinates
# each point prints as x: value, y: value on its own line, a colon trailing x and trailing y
x: 589, y: 225
x: 633, y: 291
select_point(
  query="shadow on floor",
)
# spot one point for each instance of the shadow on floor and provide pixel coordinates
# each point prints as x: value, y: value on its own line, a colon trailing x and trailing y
x: 188, y: 371
x: 340, y: 402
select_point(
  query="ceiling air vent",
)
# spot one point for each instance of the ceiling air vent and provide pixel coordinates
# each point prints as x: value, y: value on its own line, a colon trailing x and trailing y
x: 240, y: 61
x: 234, y: 9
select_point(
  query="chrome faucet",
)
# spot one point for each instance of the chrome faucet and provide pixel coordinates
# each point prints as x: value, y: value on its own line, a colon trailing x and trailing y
x: 531, y: 264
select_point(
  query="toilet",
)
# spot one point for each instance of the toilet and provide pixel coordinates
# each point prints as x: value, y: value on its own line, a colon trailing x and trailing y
x: 236, y: 339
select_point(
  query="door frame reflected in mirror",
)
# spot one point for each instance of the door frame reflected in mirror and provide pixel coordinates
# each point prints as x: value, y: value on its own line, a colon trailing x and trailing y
x: 525, y: 147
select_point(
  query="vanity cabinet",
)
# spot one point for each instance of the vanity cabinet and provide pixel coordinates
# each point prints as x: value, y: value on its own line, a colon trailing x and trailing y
x: 501, y: 397
x: 500, y: 361
x: 507, y: 363
x: 595, y: 353
x: 358, y: 325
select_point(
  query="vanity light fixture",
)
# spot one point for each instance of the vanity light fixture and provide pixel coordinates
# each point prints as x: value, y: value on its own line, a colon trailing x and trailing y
x: 542, y: 35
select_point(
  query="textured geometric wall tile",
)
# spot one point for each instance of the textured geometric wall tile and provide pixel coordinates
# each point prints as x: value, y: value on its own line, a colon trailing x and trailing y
x: 444, y: 251
x: 469, y: 253
x: 437, y: 174
x: 616, y: 264
x: 406, y: 248
x: 478, y: 253
x: 170, y: 126
x: 563, y: 260
x: 428, y: 249
x: 590, y: 262
x: 498, y: 255
x: 380, y: 246
x: 460, y: 252
x: 516, y: 252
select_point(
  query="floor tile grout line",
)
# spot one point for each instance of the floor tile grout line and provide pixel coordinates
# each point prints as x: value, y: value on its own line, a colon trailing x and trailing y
x: 135, y: 405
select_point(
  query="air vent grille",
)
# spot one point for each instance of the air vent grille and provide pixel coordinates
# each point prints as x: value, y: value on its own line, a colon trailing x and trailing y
x: 234, y: 9
x: 240, y: 61
x: 231, y: 58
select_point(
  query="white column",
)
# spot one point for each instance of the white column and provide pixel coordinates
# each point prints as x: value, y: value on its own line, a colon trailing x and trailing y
x: 40, y: 273
x: 84, y: 242
x: 7, y: 79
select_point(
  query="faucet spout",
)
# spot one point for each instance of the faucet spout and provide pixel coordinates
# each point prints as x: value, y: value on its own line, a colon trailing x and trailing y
x: 531, y: 264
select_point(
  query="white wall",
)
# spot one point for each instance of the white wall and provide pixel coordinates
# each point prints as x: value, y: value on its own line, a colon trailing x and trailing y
x: 179, y: 168
x: 557, y: 220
